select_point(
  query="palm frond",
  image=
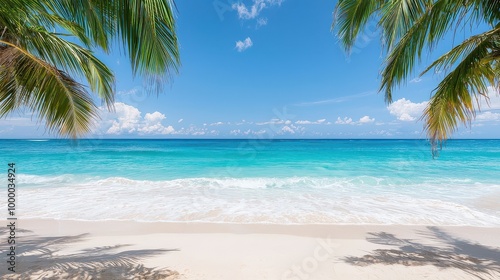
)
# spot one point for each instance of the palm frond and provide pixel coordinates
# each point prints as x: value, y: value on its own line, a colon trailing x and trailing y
x: 410, y: 26
x: 398, y: 16
x: 8, y: 88
x: 58, y: 99
x: 146, y: 30
x: 351, y: 16
x: 94, y: 17
x: 452, y: 102
x: 427, y: 30
x: 70, y: 58
x: 447, y: 60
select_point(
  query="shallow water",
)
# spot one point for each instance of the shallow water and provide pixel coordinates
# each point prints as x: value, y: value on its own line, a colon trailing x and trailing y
x: 252, y: 181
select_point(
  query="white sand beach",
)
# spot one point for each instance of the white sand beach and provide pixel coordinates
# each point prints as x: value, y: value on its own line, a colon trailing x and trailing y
x: 59, y: 249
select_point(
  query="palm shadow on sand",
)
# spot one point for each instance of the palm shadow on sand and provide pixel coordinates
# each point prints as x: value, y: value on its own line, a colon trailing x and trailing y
x: 478, y: 260
x: 41, y: 257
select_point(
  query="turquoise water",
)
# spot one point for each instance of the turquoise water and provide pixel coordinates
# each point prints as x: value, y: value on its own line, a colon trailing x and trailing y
x: 258, y: 181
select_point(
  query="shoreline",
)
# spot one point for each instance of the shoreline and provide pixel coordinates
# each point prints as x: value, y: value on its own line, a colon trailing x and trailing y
x: 254, y: 251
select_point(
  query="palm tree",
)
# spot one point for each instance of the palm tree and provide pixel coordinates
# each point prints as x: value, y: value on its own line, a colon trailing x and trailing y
x: 409, y: 26
x: 46, y: 54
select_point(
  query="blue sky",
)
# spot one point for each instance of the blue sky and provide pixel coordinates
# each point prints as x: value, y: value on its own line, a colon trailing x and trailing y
x: 266, y: 69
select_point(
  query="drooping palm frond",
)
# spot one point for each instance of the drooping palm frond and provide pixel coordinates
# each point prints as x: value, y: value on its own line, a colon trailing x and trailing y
x: 146, y: 30
x: 58, y: 99
x: 398, y: 16
x: 410, y: 26
x: 44, y: 70
x: 453, y: 100
x: 426, y: 30
x: 70, y: 58
x: 351, y: 16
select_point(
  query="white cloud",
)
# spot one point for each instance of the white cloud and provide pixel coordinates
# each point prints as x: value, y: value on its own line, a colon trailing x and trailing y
x: 253, y: 11
x: 274, y: 122
x: 321, y: 121
x: 287, y: 129
x: 216, y: 123
x: 488, y: 116
x: 291, y: 129
x: 127, y: 119
x: 336, y: 100
x: 154, y: 117
x: 197, y: 133
x: 362, y: 120
x: 246, y: 13
x: 180, y: 120
x: 405, y: 110
x: 416, y: 80
x: 156, y: 128
x: 132, y: 91
x: 345, y: 120
x: 247, y: 132
x: 18, y: 121
x: 493, y: 101
x: 261, y: 22
x: 243, y: 45
x: 381, y: 133
x: 193, y: 130
x: 243, y: 122
x: 366, y: 119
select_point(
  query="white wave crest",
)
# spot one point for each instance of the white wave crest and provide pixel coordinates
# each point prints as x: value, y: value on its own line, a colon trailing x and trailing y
x: 291, y: 200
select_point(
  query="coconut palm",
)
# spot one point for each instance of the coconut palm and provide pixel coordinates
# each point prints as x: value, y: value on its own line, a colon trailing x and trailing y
x: 409, y: 26
x: 47, y: 54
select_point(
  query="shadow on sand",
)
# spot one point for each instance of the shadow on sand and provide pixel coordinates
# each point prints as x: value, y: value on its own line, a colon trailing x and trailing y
x: 479, y: 261
x: 41, y: 258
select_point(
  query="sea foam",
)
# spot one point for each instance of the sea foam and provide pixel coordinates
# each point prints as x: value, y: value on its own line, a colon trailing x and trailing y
x: 290, y: 200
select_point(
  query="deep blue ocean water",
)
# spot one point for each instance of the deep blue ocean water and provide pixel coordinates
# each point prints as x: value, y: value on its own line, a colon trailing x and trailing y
x: 258, y: 181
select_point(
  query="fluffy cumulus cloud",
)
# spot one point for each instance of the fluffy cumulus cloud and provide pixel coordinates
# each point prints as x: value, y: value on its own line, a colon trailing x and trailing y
x: 152, y: 124
x: 405, y: 110
x: 488, y: 105
x: 366, y: 119
x: 290, y: 129
x: 251, y: 12
x: 243, y: 45
x: 127, y: 119
x: 362, y: 120
x: 345, y: 120
x: 287, y: 129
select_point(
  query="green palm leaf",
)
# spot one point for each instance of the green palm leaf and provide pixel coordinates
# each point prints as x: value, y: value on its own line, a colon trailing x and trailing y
x: 62, y: 102
x: 45, y: 71
x: 408, y: 27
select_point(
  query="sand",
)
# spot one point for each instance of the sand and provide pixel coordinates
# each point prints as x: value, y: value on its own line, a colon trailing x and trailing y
x: 54, y: 249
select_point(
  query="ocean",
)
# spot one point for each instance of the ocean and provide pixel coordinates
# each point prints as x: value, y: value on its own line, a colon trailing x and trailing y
x: 256, y: 181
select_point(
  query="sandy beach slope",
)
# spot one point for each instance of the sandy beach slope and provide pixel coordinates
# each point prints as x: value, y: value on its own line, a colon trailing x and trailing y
x: 50, y: 249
